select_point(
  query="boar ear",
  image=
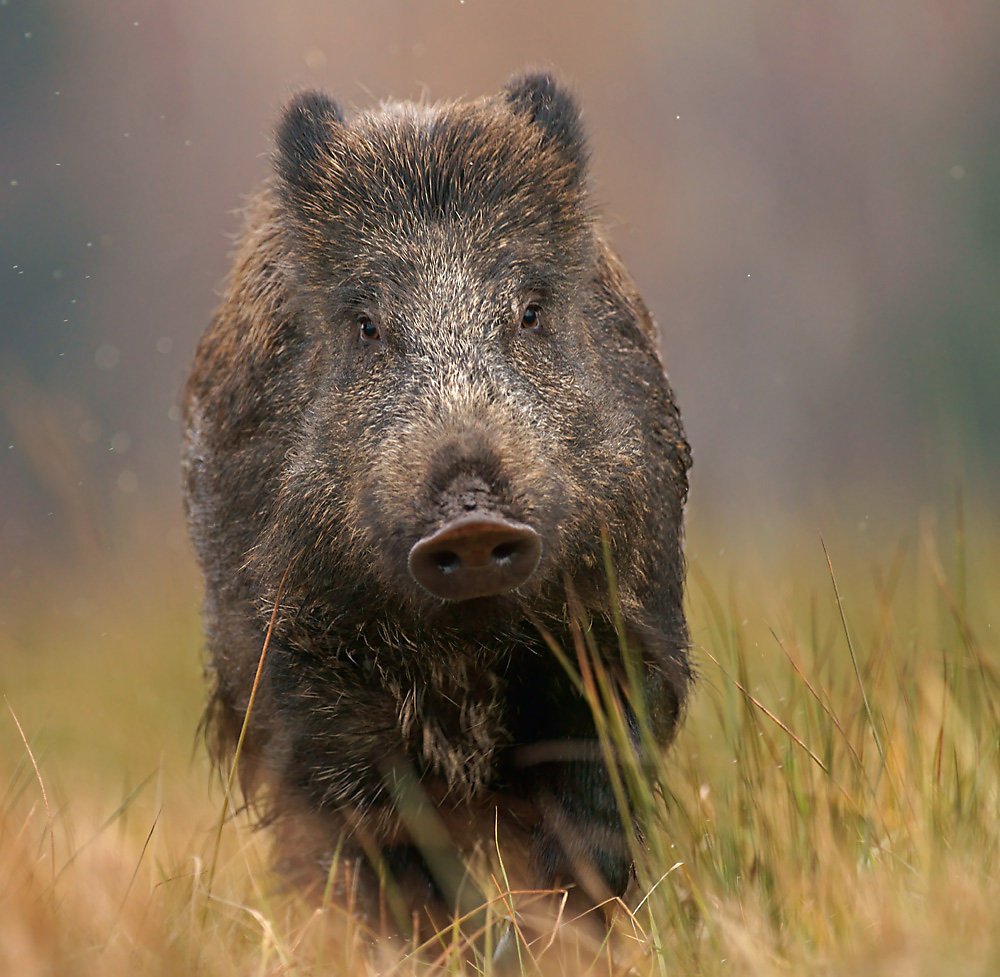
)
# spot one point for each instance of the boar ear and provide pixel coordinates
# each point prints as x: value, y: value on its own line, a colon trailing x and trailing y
x: 307, y: 128
x: 546, y: 104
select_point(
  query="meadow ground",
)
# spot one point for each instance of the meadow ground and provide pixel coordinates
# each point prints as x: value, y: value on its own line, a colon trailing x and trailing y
x: 832, y: 803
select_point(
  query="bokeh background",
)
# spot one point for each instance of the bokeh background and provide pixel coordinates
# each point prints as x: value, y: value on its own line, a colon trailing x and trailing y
x: 807, y: 194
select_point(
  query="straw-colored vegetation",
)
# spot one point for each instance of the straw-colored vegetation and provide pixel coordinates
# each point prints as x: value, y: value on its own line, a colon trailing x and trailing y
x: 833, y: 802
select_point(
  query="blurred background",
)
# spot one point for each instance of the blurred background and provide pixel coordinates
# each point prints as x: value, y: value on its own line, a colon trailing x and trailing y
x: 807, y: 194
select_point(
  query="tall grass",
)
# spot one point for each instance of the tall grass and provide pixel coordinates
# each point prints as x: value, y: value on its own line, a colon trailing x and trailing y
x: 831, y: 805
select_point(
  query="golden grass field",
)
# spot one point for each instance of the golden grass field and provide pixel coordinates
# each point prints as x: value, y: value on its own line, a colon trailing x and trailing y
x: 832, y: 802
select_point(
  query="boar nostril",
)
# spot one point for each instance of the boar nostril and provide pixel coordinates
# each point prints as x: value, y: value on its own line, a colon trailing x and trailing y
x: 505, y: 552
x: 447, y: 562
x: 475, y: 556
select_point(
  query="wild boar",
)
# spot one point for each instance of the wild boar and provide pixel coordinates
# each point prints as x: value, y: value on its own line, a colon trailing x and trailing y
x: 429, y: 407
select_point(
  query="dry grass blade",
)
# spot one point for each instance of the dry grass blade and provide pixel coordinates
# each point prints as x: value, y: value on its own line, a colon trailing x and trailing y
x: 796, y: 739
x: 830, y: 713
x: 138, y: 864
x: 959, y: 617
x: 854, y: 657
x: 243, y: 731
x: 41, y: 784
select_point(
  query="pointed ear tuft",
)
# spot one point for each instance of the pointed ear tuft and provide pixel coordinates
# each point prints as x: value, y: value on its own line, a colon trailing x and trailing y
x: 546, y: 104
x: 307, y: 128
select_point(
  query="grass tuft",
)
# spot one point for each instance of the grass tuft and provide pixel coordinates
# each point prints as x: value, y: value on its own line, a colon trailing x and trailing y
x: 831, y: 805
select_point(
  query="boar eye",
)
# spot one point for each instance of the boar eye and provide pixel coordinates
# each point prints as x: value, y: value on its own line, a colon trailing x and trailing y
x: 531, y: 318
x: 368, y: 329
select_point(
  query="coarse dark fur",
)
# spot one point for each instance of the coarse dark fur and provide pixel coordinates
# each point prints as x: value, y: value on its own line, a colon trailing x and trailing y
x: 373, y: 369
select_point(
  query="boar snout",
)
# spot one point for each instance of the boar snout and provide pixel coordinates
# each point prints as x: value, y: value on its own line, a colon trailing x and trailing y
x: 475, y: 555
